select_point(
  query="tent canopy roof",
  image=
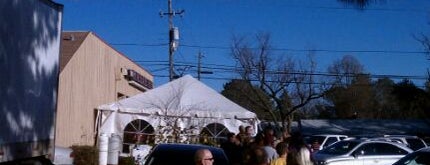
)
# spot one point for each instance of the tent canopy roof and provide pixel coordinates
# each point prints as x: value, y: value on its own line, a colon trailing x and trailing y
x: 184, y: 97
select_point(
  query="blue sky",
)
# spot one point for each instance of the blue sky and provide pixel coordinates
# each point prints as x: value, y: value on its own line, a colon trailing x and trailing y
x: 208, y: 26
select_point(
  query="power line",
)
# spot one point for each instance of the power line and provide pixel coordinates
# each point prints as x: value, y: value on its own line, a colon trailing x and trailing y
x: 317, y: 50
x: 283, y: 49
x: 233, y: 69
x: 273, y: 81
x: 366, y: 9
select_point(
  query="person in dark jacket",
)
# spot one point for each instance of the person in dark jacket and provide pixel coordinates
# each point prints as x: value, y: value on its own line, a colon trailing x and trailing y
x: 233, y: 149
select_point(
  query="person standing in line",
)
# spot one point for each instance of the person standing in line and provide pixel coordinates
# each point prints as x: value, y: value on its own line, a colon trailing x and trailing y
x: 315, y: 146
x: 253, y: 149
x: 203, y: 157
x: 248, y: 137
x: 232, y: 149
x: 270, y: 152
x: 304, y: 156
x: 282, y: 150
x: 268, y: 138
x: 256, y: 156
x: 299, y: 153
x: 241, y: 136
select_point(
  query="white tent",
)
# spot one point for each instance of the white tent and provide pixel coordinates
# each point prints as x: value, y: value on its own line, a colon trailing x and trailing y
x: 186, y: 101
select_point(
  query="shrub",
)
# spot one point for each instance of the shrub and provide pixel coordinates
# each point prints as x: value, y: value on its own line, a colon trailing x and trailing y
x: 85, y: 155
x: 126, y: 161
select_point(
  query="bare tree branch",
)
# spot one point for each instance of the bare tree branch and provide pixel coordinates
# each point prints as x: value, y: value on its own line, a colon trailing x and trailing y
x: 275, y: 77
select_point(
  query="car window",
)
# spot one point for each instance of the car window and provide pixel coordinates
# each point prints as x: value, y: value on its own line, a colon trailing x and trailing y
x: 339, y: 148
x: 366, y: 149
x: 415, y: 144
x: 330, y: 141
x: 380, y: 149
x: 389, y: 149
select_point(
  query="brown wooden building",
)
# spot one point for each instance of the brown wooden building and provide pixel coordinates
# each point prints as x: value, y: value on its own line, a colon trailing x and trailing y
x: 91, y: 73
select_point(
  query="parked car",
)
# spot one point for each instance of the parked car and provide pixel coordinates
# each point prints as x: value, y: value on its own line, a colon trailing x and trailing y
x: 324, y: 140
x: 413, y: 142
x: 163, y: 154
x: 361, y: 152
x: 419, y: 157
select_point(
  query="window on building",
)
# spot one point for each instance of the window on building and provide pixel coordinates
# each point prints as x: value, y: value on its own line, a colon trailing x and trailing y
x: 137, y: 132
x: 213, y: 133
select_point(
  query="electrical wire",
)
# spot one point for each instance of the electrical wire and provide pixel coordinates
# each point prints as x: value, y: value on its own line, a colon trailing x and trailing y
x: 282, y: 49
x: 233, y: 69
x: 272, y: 81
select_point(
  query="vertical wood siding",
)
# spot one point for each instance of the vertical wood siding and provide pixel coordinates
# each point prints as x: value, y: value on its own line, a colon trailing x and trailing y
x: 92, y: 77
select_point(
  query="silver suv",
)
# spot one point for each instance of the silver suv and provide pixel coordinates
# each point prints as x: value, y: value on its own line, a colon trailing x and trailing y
x: 361, y: 152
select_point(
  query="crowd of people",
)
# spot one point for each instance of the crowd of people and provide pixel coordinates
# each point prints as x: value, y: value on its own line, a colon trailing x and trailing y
x: 266, y: 148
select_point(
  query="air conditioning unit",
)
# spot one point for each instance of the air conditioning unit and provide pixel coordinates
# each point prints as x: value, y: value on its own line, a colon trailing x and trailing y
x: 124, y: 71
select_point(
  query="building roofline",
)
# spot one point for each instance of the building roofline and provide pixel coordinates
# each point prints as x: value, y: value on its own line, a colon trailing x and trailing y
x: 121, y: 53
x: 110, y: 46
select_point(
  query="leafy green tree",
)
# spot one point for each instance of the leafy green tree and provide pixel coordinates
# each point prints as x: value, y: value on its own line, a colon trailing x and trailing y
x: 413, y: 101
x: 385, y: 102
x: 362, y: 97
x: 339, y: 98
x: 352, y: 95
x: 242, y: 93
x: 427, y: 83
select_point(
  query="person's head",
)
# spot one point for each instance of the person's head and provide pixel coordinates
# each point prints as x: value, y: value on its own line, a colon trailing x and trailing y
x: 241, y: 129
x: 269, y: 131
x: 285, y: 135
x: 249, y: 130
x: 203, y: 157
x: 269, y: 137
x: 257, y: 156
x: 315, y: 142
x: 231, y: 137
x: 282, y: 148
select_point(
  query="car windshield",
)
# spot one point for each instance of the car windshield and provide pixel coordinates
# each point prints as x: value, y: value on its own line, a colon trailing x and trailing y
x: 318, y: 139
x: 339, y: 148
x: 415, y: 159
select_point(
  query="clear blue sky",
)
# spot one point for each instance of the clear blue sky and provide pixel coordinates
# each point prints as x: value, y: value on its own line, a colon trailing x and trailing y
x: 293, y: 24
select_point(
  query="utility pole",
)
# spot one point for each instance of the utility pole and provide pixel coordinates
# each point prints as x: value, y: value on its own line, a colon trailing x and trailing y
x: 173, y: 35
x: 199, y: 66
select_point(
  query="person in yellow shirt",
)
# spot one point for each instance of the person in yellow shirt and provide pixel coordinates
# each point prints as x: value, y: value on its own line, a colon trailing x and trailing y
x: 282, y: 150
